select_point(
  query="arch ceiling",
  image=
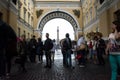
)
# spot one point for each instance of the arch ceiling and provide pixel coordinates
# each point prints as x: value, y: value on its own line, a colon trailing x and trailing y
x: 57, y: 14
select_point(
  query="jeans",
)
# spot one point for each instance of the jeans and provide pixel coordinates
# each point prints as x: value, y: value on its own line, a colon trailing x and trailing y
x: 48, y: 58
x: 90, y: 53
x: 68, y: 58
x: 114, y: 62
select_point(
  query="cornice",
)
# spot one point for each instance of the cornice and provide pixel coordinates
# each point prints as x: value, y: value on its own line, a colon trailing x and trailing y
x: 106, y: 5
x: 13, y: 8
x: 57, y: 4
x: 9, y: 6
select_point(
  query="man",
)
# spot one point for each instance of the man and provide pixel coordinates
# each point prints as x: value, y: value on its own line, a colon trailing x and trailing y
x: 81, y: 52
x: 48, y: 45
x: 100, y: 47
x: 63, y: 51
x: 67, y: 46
x: 33, y: 46
x: 8, y: 47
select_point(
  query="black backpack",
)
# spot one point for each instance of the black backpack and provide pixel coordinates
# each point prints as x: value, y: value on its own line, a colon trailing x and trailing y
x: 48, y: 44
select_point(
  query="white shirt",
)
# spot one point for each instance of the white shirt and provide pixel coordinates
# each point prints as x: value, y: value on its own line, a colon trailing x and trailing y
x: 80, y: 41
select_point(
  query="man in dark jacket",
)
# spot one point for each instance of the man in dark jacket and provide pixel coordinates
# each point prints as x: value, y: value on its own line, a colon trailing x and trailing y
x: 67, y: 46
x: 100, y: 47
x: 32, y: 47
x: 8, y: 47
x: 48, y: 45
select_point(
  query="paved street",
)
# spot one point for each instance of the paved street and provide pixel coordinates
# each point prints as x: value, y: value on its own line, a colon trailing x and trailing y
x: 36, y: 71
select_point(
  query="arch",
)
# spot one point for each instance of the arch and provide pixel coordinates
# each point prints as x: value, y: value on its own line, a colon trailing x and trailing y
x: 57, y: 14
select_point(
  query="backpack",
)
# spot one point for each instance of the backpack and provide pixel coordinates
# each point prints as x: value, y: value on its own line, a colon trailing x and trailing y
x: 48, y: 45
x: 51, y: 44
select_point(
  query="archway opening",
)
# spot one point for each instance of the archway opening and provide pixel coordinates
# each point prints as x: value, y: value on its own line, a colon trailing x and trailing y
x: 51, y: 27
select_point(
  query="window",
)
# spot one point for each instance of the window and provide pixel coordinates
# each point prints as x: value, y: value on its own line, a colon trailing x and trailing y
x: 28, y: 18
x: 117, y: 15
x: 1, y: 15
x: 18, y: 32
x: 25, y: 2
x: 14, y: 1
x: 86, y: 18
x: 29, y: 5
x: 24, y: 32
x: 32, y: 21
x: 101, y: 1
x: 19, y: 12
x: 91, y: 13
x: 24, y: 14
x: 28, y: 35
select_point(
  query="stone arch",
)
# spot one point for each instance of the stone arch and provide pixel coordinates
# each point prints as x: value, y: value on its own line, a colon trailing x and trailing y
x: 57, y: 14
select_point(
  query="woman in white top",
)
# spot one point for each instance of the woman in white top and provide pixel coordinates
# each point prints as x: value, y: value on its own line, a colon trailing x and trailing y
x: 114, y: 52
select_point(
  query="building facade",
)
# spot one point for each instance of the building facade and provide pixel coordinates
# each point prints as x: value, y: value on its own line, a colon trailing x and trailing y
x: 25, y: 18
x: 8, y: 12
x: 99, y: 14
x: 29, y: 16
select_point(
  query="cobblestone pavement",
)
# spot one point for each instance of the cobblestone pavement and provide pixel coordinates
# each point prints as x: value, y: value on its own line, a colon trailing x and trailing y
x: 36, y: 71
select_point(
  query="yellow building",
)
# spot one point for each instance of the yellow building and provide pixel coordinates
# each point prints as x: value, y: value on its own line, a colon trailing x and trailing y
x: 99, y: 14
x: 29, y: 16
x: 25, y: 18
x: 8, y: 12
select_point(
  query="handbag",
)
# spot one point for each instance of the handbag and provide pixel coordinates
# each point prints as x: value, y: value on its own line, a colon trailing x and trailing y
x: 81, y: 47
x: 78, y: 56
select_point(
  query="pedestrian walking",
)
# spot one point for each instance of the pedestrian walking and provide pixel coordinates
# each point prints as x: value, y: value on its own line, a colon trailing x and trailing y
x: 113, y: 47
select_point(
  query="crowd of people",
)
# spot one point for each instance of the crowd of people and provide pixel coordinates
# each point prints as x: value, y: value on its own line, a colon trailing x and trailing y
x: 22, y: 50
x: 27, y: 49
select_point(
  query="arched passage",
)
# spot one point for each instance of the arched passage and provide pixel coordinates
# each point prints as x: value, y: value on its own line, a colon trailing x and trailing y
x: 58, y: 14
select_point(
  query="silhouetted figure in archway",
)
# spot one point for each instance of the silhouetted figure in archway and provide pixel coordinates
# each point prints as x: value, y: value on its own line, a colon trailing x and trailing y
x: 67, y: 46
x: 32, y: 47
x: 40, y: 50
x: 48, y: 45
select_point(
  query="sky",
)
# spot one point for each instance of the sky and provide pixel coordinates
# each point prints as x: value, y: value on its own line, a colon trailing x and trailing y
x: 64, y: 27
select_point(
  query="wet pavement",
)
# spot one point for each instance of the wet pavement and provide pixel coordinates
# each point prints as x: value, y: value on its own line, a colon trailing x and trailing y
x: 36, y: 71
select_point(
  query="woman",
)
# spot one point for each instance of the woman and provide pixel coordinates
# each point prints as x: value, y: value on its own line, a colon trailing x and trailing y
x: 40, y: 50
x: 53, y: 50
x: 23, y: 52
x: 114, y: 52
x: 100, y: 48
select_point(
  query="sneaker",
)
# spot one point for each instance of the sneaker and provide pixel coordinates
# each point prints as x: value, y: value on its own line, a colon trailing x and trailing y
x: 82, y: 66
